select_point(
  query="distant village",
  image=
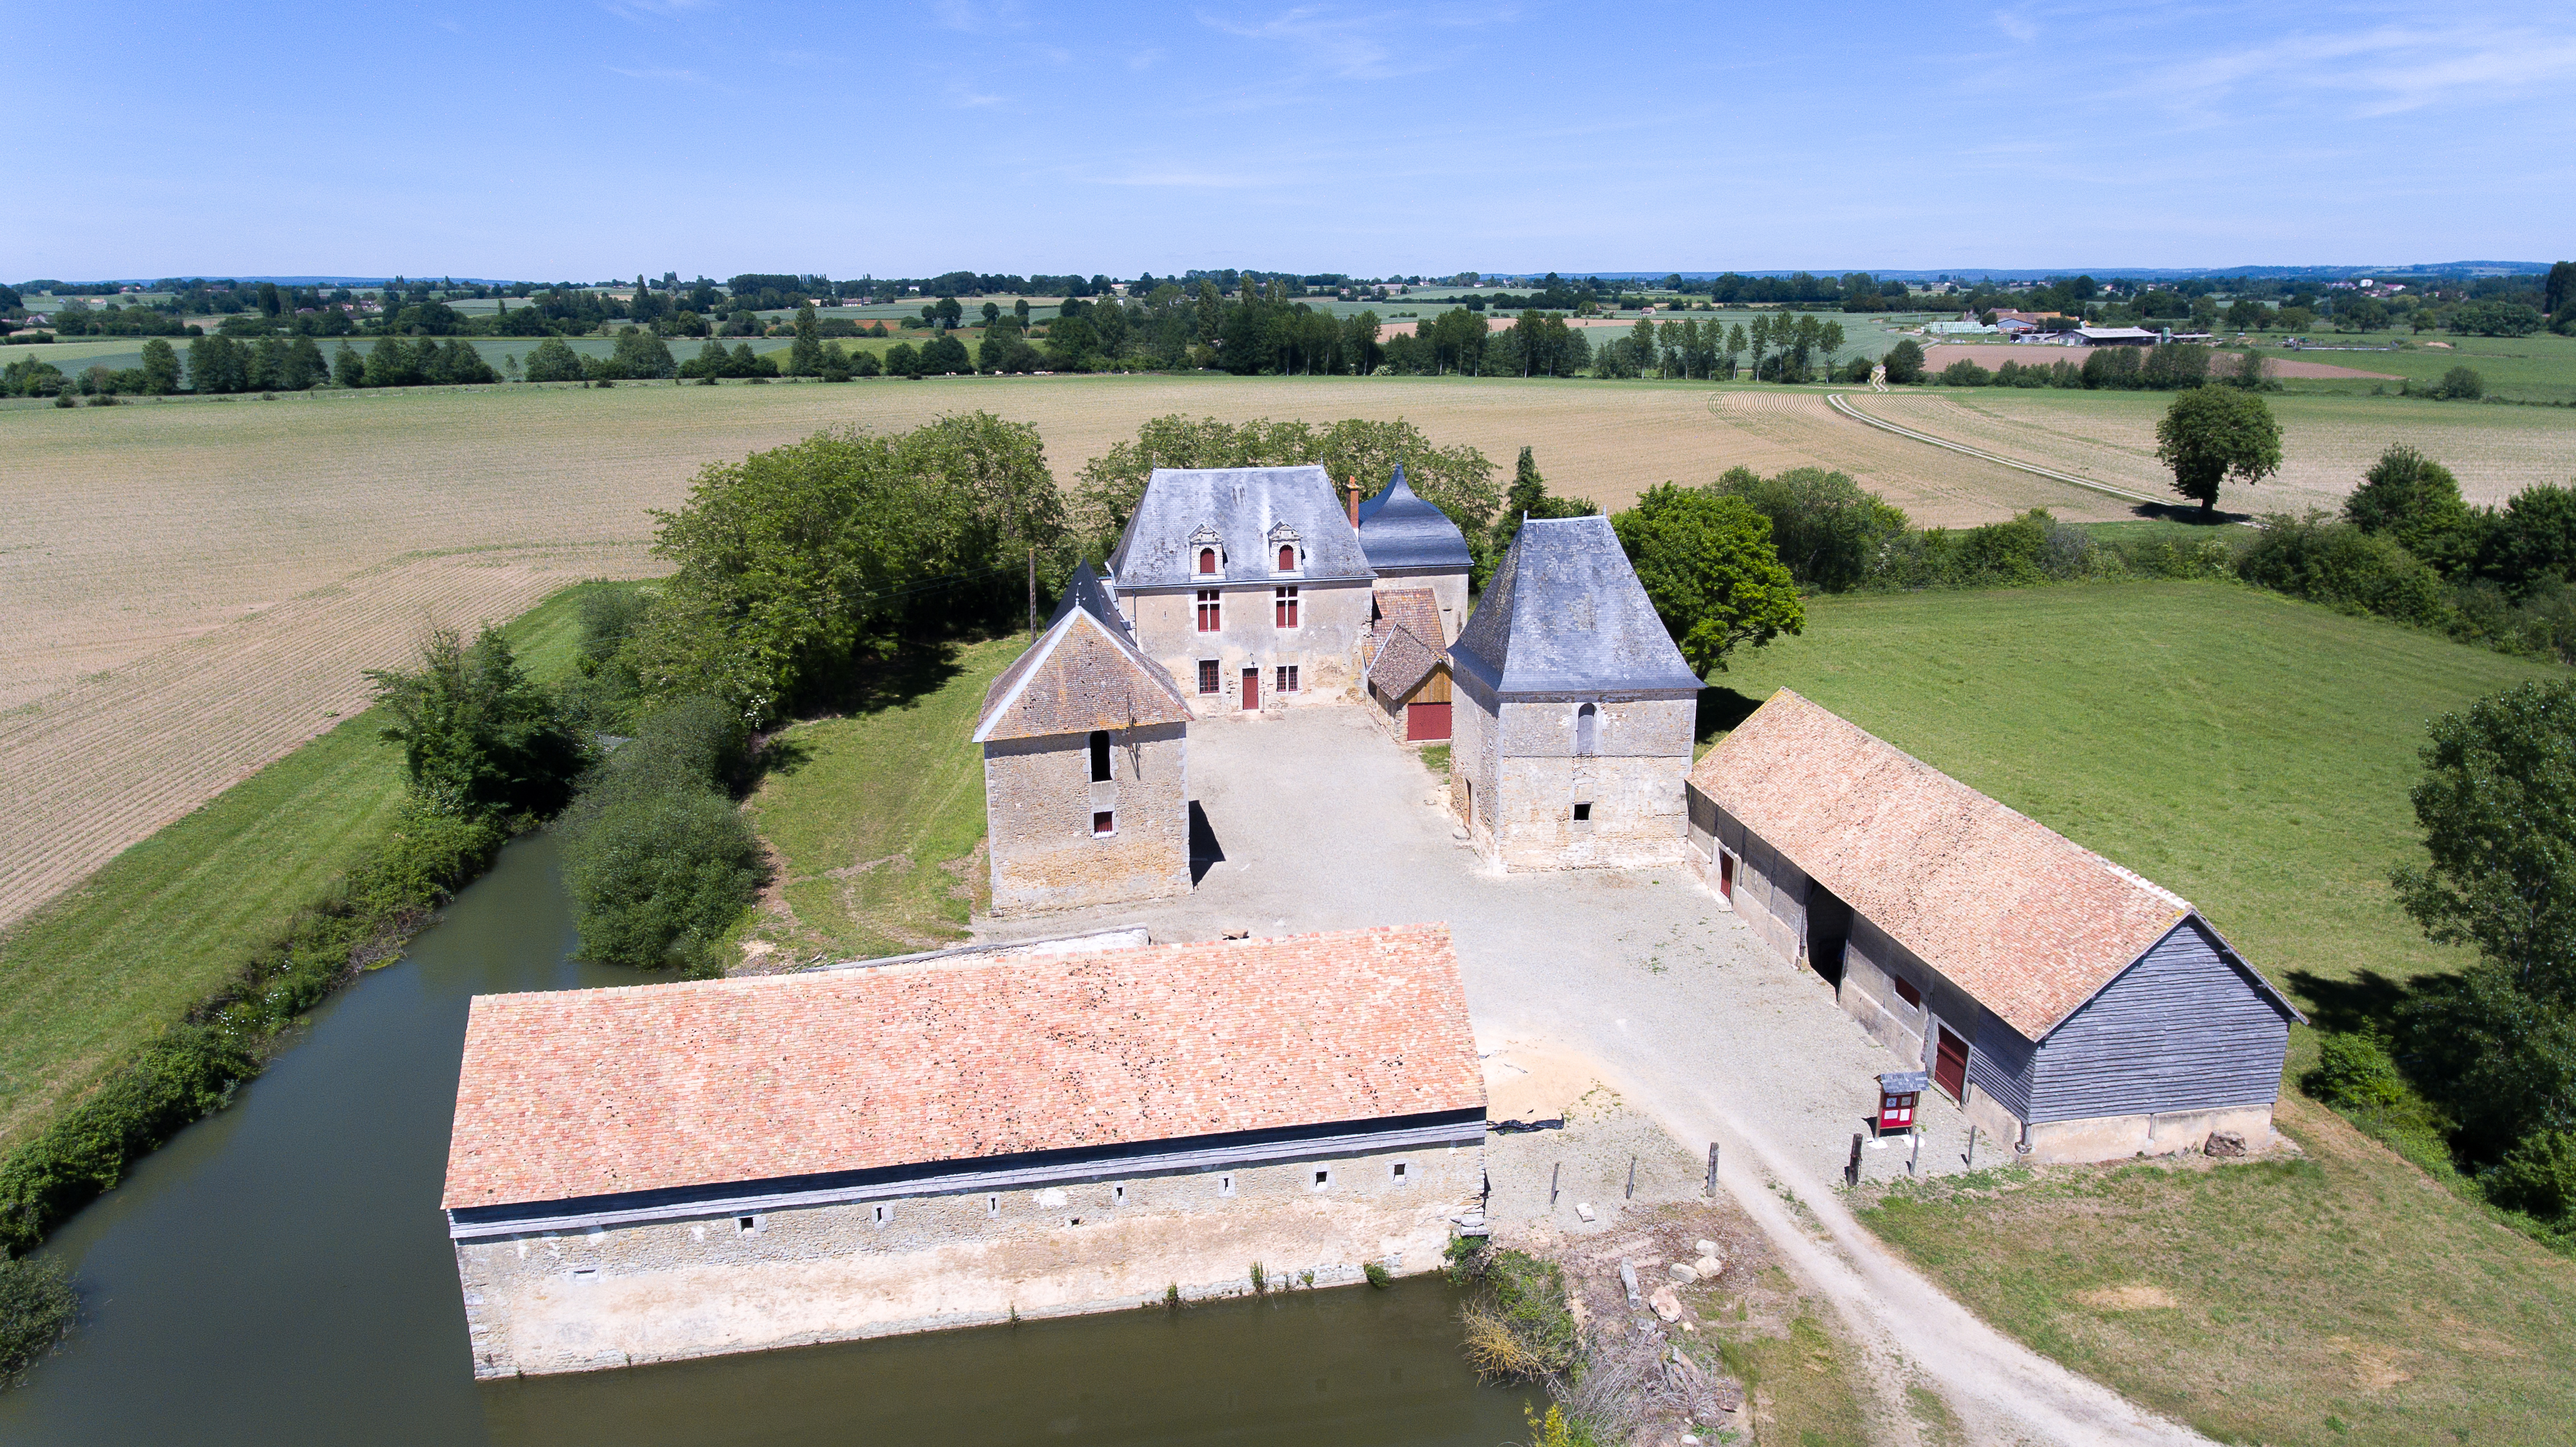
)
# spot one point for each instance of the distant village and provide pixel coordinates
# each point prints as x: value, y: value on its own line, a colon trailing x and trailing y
x: 1095, y: 1120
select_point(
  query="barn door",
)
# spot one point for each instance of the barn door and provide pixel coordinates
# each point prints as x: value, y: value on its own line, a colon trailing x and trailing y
x: 1251, y: 689
x: 1726, y: 875
x: 1426, y: 723
x: 1950, y: 1065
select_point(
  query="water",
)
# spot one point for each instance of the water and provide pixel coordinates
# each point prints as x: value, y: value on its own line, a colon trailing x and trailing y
x: 280, y: 1274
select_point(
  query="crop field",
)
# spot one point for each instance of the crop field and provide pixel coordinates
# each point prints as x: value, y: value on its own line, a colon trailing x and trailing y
x: 2327, y: 441
x: 1786, y: 427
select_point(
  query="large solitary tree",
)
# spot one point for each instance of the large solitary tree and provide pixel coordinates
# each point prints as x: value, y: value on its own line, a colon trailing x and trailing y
x: 1709, y: 567
x: 2214, y: 433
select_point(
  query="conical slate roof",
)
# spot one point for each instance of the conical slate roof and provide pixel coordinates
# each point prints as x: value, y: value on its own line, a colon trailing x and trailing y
x: 1567, y: 616
x: 1400, y: 530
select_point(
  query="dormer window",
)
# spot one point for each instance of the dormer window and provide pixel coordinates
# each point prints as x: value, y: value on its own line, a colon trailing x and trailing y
x: 1287, y: 557
x: 1207, y: 562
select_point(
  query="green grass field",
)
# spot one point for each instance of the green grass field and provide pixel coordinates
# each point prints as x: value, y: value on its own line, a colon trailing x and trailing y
x: 2250, y: 752
x: 101, y: 970
x: 2537, y: 368
x: 877, y: 818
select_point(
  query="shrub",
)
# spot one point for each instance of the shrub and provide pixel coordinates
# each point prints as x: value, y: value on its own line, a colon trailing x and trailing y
x: 1377, y: 1274
x: 553, y: 361
x: 478, y: 738
x: 36, y: 1307
x: 179, y: 1079
x: 1517, y: 1325
x: 2354, y: 1071
x: 1963, y: 373
x: 2537, y: 1177
x: 1904, y: 362
x: 2339, y: 565
x: 659, y: 862
x: 1830, y: 533
x: 2461, y: 384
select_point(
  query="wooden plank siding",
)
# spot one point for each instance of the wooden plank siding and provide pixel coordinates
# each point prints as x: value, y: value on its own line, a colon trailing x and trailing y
x: 2184, y: 1028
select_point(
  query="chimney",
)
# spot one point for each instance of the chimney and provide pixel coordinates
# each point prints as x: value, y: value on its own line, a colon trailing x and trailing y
x: 1355, y: 503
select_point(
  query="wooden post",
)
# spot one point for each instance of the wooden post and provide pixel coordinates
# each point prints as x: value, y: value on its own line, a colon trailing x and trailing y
x: 1632, y: 1178
x: 1851, y: 1173
x: 1551, y: 1183
x: 1914, y: 1154
x: 1712, y: 1168
x: 1972, y: 1148
x: 1033, y: 595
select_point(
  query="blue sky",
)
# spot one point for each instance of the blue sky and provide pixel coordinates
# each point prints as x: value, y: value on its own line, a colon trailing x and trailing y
x: 594, y: 138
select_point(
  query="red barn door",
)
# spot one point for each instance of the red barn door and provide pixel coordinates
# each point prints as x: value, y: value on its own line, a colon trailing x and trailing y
x: 1251, y: 690
x: 1950, y: 1065
x: 1426, y: 723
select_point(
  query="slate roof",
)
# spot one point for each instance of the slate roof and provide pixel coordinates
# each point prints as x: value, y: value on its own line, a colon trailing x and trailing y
x: 1566, y: 615
x: 1241, y: 507
x: 1081, y: 674
x: 1087, y: 592
x: 584, y: 1093
x: 1400, y: 530
x: 2028, y: 922
x: 1408, y: 641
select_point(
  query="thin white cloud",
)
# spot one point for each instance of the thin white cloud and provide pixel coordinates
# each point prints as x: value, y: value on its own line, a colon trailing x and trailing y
x: 964, y: 99
x: 1144, y: 59
x: 2018, y: 27
x: 990, y: 17
x: 661, y: 73
x: 1347, y: 46
x: 2378, y: 72
x: 664, y: 9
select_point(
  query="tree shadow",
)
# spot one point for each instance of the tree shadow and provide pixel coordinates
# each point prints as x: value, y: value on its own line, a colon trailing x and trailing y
x: 2189, y: 513
x: 1721, y: 710
x: 2368, y: 1000
x: 1205, y: 852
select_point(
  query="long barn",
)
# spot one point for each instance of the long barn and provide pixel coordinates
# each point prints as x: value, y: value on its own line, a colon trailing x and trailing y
x: 2065, y: 1003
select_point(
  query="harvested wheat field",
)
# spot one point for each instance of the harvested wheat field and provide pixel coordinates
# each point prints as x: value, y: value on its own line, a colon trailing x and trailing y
x: 1937, y: 488
x: 2327, y: 442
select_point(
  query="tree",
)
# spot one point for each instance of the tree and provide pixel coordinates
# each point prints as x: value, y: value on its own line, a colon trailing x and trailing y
x: 348, y: 369
x: 478, y: 738
x: 1528, y: 498
x: 2461, y: 384
x: 1905, y: 362
x: 161, y: 367
x: 2214, y: 433
x: 805, y: 354
x: 2498, y: 808
x: 552, y: 361
x: 640, y: 353
x: 1829, y: 532
x: 1457, y: 480
x: 1709, y: 568
x: 2558, y: 293
x: 658, y: 861
x: 2415, y: 500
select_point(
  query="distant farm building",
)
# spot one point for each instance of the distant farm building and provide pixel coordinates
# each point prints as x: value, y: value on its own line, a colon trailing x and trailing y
x: 681, y: 1170
x: 2073, y: 1009
x: 1247, y: 583
x: 1086, y: 766
x: 1574, y: 725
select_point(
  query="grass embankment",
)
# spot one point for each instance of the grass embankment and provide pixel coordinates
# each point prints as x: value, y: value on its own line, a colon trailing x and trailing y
x: 876, y: 818
x: 93, y: 977
x: 2254, y: 754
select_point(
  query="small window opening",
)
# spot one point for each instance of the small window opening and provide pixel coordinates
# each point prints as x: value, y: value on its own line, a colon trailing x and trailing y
x: 746, y: 1225
x: 1287, y: 558
x: 1100, y: 756
x: 1073, y: 1220
x: 1118, y: 1194
x: 585, y: 1273
x: 1323, y: 1180
x: 1104, y: 822
x: 1582, y: 813
x: 992, y: 1205
x: 1905, y: 991
x: 881, y: 1213
x: 1207, y: 560
x: 1587, y: 729
x: 1397, y: 1173
x: 1225, y: 1184
x: 1209, y: 678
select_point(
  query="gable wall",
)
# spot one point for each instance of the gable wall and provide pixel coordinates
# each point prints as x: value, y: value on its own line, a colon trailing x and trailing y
x: 1449, y: 590
x: 1038, y: 802
x: 2181, y: 1030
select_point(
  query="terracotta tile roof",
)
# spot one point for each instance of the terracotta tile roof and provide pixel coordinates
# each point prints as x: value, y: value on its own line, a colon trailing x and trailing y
x: 1081, y: 674
x: 579, y: 1093
x: 1402, y: 663
x: 1414, y: 609
x: 2028, y: 922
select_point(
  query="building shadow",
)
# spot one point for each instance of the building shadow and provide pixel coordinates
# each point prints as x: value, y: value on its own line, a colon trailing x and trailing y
x: 2367, y: 999
x: 1205, y: 852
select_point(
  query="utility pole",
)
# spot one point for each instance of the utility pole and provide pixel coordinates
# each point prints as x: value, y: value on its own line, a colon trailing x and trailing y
x: 1033, y: 595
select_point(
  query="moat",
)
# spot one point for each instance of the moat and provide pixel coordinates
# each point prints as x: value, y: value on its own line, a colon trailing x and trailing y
x: 280, y: 1273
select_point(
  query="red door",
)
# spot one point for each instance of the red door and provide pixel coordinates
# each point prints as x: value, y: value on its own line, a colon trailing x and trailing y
x: 1726, y: 874
x: 1950, y: 1065
x: 1426, y: 723
x: 1251, y: 689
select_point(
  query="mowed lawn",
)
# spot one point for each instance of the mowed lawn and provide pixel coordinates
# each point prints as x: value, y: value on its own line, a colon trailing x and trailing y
x: 876, y: 819
x: 2254, y: 754
x: 2247, y: 751
x: 102, y: 969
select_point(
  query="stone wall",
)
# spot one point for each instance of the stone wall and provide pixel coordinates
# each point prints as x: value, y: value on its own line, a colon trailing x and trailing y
x: 1523, y: 760
x: 1038, y: 803
x: 1332, y: 618
x: 1449, y: 590
x: 620, y: 1295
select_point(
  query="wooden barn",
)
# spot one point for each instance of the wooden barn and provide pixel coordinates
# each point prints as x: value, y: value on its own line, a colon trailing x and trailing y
x: 2069, y: 1006
x: 1408, y: 670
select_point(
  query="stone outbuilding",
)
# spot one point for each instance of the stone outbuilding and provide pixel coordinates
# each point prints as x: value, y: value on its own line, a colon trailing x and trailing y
x: 680, y: 1170
x: 1248, y: 584
x: 1086, y: 766
x: 2073, y: 1009
x: 1408, y: 671
x: 1412, y: 544
x: 1574, y: 718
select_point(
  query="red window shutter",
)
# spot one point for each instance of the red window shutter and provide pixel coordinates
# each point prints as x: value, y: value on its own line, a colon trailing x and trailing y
x: 1287, y: 559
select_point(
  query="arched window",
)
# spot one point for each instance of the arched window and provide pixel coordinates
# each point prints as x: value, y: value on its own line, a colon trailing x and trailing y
x: 1099, y: 756
x: 1587, y: 730
x: 1287, y: 557
x: 1207, y: 560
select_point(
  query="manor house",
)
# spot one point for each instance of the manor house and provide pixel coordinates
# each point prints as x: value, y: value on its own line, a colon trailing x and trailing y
x: 680, y: 1170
